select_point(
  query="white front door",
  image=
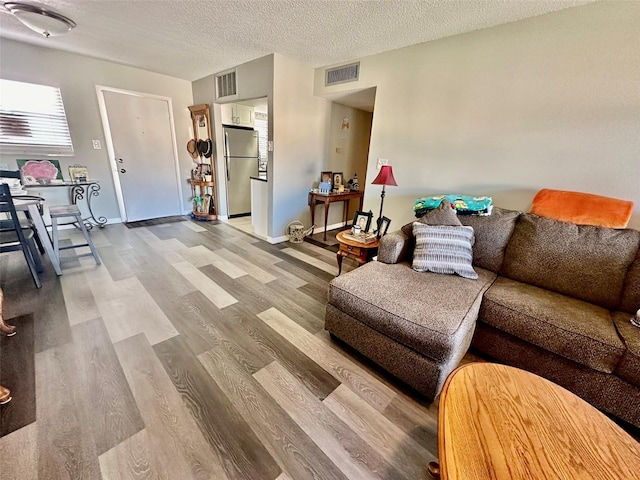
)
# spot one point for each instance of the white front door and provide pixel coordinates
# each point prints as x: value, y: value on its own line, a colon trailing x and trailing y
x: 143, y: 148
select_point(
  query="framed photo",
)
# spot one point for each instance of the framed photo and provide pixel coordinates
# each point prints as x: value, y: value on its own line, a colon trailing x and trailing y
x: 337, y: 179
x: 363, y: 220
x: 383, y: 226
x: 325, y: 177
x: 39, y: 171
x: 78, y: 173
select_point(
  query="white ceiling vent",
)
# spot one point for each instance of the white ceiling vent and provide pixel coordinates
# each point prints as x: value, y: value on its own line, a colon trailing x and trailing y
x: 343, y: 74
x: 226, y: 84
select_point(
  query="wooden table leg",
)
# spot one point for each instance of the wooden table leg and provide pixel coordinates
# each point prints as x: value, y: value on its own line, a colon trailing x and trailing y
x: 6, y: 329
x: 339, y: 256
x: 433, y: 470
x: 312, y: 206
x: 326, y: 216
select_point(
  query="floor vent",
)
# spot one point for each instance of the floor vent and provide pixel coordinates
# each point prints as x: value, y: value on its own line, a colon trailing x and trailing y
x: 226, y: 84
x: 343, y: 74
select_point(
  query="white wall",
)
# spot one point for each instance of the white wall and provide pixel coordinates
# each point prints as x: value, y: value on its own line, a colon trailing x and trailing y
x: 77, y: 77
x: 348, y: 153
x: 300, y: 135
x: 552, y: 101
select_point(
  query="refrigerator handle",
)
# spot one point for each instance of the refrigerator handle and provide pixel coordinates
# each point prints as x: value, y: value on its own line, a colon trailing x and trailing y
x: 226, y: 153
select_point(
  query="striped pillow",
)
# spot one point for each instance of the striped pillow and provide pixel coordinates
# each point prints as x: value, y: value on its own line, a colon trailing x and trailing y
x: 444, y: 249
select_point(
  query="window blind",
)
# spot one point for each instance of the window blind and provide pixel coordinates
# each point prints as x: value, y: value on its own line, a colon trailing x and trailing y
x: 33, y: 120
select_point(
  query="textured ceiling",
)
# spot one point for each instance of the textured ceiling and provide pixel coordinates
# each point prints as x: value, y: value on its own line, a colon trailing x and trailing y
x: 194, y: 38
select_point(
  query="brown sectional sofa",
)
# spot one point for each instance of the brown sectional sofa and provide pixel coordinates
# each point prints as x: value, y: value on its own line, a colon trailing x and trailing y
x: 552, y: 297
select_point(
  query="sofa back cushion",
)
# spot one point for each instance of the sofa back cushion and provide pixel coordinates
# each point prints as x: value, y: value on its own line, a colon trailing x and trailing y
x: 630, y: 301
x: 585, y: 262
x: 492, y: 233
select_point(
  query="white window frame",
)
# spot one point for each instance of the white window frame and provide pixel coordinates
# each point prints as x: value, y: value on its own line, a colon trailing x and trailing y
x: 33, y: 120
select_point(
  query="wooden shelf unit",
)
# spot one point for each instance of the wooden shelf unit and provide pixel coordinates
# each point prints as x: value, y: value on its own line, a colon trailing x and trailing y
x: 200, y: 188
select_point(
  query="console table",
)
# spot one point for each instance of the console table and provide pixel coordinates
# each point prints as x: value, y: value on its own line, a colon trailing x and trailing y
x: 327, y: 199
x: 499, y: 422
x: 78, y: 191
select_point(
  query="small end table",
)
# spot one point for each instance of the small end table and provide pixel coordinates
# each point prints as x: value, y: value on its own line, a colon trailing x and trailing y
x: 360, y: 252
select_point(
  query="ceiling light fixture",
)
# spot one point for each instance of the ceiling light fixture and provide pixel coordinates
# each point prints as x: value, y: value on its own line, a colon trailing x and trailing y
x: 41, y: 20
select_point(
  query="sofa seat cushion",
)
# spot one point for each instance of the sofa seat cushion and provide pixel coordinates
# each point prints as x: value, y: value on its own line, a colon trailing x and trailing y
x: 572, y: 328
x: 428, y: 312
x: 629, y: 367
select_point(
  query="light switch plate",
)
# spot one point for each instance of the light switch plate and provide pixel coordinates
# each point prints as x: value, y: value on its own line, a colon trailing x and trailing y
x: 96, y: 144
x: 382, y: 161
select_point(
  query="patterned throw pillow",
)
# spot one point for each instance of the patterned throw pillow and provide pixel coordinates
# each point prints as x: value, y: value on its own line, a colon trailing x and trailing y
x: 444, y: 249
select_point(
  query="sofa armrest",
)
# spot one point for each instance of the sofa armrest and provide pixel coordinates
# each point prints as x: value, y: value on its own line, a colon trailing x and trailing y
x: 394, y: 247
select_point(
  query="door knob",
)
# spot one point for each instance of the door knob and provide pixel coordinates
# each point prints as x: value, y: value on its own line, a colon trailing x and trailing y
x: 122, y: 170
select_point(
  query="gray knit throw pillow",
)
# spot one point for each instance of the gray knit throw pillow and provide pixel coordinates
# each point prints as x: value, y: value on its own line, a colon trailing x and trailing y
x: 444, y: 249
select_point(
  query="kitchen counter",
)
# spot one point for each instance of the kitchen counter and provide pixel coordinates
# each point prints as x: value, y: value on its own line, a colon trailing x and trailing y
x: 259, y: 205
x: 262, y: 177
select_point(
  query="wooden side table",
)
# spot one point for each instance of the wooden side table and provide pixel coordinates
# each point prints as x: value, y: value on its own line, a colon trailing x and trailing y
x: 499, y: 422
x: 327, y: 199
x: 360, y: 252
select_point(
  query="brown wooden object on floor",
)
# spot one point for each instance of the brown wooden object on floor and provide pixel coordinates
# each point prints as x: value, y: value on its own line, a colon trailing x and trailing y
x: 5, y: 328
x: 327, y: 199
x: 361, y: 252
x: 500, y: 422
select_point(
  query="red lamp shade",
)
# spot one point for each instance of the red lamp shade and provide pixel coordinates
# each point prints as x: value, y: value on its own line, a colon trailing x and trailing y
x: 385, y: 177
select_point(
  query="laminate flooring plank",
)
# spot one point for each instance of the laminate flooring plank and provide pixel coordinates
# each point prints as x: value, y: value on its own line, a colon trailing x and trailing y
x: 242, y: 453
x: 277, y: 298
x: 167, y: 248
x: 316, y: 251
x: 210, y: 289
x: 173, y: 433
x: 294, y: 451
x: 316, y: 262
x: 66, y: 448
x: 343, y: 446
x: 252, y: 269
x: 78, y: 298
x: 278, y: 252
x: 342, y: 368
x: 193, y: 225
x: 114, y: 413
x: 134, y: 459
x: 17, y: 373
x: 251, y: 251
x: 117, y: 267
x: 317, y: 380
x: 395, y: 446
x: 18, y: 454
x: 248, y: 293
x: 310, y: 305
x: 127, y: 309
x: 310, y: 275
x: 284, y: 476
x: 319, y: 294
x: 419, y: 422
x: 200, y: 256
x: 285, y: 277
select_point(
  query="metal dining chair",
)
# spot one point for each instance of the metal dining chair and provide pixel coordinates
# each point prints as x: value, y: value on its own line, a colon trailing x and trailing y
x: 14, y: 236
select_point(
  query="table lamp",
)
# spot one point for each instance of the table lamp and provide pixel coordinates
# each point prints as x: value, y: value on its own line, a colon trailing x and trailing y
x: 384, y: 178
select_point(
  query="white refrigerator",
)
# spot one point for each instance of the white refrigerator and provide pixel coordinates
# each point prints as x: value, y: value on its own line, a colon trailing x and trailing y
x: 241, y: 162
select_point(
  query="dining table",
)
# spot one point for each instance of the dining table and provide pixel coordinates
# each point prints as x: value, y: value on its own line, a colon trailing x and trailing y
x: 32, y: 206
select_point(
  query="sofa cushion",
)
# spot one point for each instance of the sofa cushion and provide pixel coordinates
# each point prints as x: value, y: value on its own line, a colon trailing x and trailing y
x: 445, y: 214
x: 629, y: 367
x: 427, y: 312
x: 630, y: 301
x: 585, y: 262
x: 574, y: 329
x: 492, y: 233
x: 443, y: 249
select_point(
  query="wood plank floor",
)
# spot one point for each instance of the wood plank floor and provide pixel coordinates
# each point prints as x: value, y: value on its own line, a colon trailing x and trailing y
x: 195, y: 351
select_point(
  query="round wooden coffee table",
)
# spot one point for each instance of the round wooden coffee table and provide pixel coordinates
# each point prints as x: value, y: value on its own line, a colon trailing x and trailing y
x: 361, y: 252
x: 499, y: 422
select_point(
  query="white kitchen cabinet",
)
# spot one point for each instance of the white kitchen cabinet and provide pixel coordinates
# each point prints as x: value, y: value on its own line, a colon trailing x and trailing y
x: 238, y: 115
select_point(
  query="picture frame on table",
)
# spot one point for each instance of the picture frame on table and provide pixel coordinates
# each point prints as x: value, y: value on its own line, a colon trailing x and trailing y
x: 34, y: 172
x: 363, y: 220
x: 326, y: 177
x: 383, y: 227
x: 78, y: 173
x: 337, y: 179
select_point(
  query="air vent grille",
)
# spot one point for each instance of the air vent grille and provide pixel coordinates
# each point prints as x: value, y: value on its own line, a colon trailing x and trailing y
x: 343, y: 74
x: 226, y: 84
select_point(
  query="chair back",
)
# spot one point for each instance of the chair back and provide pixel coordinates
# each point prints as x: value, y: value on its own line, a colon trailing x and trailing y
x: 7, y: 206
x: 9, y: 173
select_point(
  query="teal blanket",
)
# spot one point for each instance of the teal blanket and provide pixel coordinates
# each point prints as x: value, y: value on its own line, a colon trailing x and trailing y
x: 464, y: 204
